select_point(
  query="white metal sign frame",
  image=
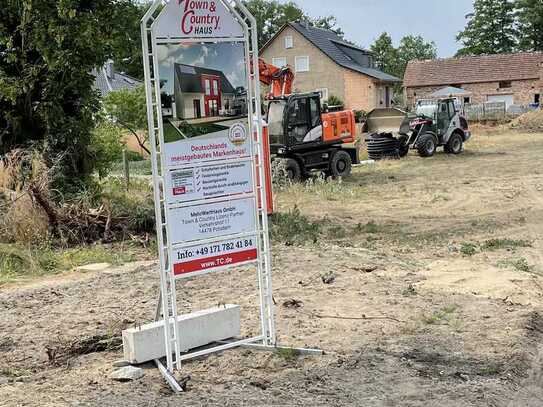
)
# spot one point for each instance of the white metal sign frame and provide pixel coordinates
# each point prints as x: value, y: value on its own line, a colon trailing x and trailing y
x: 151, y: 41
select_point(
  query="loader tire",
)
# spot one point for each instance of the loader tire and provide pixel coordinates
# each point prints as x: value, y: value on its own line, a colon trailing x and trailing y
x: 403, y: 148
x: 455, y: 144
x: 426, y: 145
x: 340, y: 164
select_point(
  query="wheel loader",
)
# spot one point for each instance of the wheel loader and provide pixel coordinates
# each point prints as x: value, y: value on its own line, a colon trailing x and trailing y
x: 392, y: 132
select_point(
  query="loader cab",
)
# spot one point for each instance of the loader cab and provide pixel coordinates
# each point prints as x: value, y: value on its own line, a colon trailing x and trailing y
x: 294, y: 121
x: 446, y: 111
x: 441, y: 111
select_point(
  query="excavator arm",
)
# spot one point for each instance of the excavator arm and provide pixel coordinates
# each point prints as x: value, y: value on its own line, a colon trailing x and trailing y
x: 279, y: 79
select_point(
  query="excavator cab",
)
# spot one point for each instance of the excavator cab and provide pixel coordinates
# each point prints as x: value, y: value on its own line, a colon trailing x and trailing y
x: 295, y: 121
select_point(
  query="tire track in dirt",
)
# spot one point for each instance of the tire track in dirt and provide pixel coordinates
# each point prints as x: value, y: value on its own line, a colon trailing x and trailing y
x: 531, y: 391
x: 534, y: 222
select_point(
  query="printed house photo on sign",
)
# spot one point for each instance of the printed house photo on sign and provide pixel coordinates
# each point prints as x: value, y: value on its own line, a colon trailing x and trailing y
x: 203, y: 88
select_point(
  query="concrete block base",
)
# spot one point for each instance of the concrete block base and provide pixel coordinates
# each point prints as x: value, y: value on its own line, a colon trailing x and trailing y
x: 146, y: 342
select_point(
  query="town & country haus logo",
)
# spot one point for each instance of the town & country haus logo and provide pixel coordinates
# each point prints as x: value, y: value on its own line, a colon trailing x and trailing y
x: 199, y: 17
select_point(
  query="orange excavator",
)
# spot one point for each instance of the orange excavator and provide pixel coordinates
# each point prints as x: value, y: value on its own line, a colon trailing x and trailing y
x: 303, y: 135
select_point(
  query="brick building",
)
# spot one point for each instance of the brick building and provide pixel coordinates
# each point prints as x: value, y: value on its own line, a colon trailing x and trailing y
x: 324, y: 62
x: 516, y: 79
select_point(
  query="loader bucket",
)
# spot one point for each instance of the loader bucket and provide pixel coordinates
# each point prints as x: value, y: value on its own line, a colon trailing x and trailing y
x: 385, y: 120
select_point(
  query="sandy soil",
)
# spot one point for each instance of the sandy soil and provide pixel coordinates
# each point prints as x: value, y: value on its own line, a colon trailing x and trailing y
x: 413, y: 317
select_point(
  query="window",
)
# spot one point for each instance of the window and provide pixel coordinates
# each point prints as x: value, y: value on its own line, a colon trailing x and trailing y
x: 452, y: 109
x: 302, y: 64
x: 299, y: 120
x: 324, y: 93
x: 505, y: 84
x: 208, y: 87
x: 288, y: 42
x: 279, y: 61
x: 315, y: 112
x: 216, y: 87
x: 467, y: 99
x: 298, y: 112
x: 537, y: 98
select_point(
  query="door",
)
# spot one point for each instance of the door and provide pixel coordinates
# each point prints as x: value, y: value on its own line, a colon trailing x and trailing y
x: 213, y: 108
x: 298, y: 121
x: 197, y: 108
x: 508, y: 99
x: 212, y: 94
x: 387, y: 96
x: 442, y: 118
x: 315, y: 121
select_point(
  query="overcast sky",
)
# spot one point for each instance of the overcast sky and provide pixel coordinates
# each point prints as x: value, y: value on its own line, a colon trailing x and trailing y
x: 364, y: 20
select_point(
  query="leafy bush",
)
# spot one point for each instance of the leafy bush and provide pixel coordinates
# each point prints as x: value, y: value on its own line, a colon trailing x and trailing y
x: 294, y: 228
x: 360, y: 115
x: 106, y: 147
x: 500, y: 244
x: 468, y: 249
x: 520, y: 264
x: 17, y: 260
x: 334, y: 101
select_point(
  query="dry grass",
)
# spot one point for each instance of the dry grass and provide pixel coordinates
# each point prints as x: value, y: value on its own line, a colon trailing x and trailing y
x: 21, y: 219
x: 25, y: 222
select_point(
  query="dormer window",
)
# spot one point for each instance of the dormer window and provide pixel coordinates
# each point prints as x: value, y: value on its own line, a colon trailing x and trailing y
x: 289, y: 43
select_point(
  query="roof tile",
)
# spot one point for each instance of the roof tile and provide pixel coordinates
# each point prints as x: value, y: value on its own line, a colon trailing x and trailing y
x: 340, y: 51
x: 478, y: 69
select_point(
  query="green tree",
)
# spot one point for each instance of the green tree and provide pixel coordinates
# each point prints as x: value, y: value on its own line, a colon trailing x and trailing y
x: 530, y: 19
x: 328, y: 23
x: 271, y: 15
x: 47, y: 49
x: 385, y: 54
x: 106, y: 146
x: 394, y: 60
x: 414, y: 48
x: 127, y: 108
x: 491, y: 29
x: 126, y: 37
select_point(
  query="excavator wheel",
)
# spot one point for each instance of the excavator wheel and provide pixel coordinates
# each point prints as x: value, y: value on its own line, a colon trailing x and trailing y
x: 286, y: 169
x: 340, y: 164
x: 293, y: 169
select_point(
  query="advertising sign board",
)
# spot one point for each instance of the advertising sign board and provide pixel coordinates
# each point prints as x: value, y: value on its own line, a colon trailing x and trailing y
x: 205, y: 127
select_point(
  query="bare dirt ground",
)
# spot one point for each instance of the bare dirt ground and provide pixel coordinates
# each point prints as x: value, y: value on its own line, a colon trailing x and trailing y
x: 424, y: 308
